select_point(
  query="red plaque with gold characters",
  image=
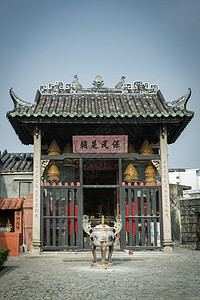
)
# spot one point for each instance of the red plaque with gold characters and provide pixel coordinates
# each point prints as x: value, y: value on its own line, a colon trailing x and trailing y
x: 100, y: 144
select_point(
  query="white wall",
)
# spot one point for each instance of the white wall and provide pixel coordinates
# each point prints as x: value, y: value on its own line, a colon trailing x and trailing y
x: 9, y: 183
x: 187, y: 177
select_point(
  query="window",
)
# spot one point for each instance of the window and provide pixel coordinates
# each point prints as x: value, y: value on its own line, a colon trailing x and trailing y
x: 25, y: 188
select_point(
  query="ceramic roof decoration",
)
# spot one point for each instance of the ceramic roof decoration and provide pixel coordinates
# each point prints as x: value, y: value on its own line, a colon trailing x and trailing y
x: 98, y: 82
x: 76, y: 83
x: 121, y: 83
x: 138, y: 102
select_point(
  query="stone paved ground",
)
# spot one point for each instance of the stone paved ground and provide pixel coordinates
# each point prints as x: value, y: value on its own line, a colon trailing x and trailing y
x: 175, y: 277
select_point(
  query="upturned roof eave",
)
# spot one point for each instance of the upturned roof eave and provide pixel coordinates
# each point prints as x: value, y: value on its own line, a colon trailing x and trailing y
x: 24, y: 108
x: 26, y: 113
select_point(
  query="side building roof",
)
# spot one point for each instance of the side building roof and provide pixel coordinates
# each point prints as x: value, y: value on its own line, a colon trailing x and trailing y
x: 16, y: 162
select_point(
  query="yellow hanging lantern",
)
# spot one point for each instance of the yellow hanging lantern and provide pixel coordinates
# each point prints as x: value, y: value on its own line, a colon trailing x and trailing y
x: 150, y: 174
x: 68, y: 148
x: 53, y: 173
x: 131, y: 173
x: 130, y: 150
x: 146, y: 148
x: 68, y: 162
x: 53, y: 149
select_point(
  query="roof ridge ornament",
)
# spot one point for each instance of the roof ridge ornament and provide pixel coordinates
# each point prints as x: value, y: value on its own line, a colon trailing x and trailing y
x: 137, y: 87
x: 19, y: 102
x: 180, y: 102
x: 98, y: 82
x: 57, y: 88
x: 140, y: 87
x: 76, y: 83
x: 120, y: 84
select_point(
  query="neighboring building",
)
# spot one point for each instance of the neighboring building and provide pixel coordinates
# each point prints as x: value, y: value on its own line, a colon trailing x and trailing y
x: 185, y: 213
x: 16, y: 200
x: 185, y: 204
x: 16, y: 174
x: 101, y: 151
x: 189, y: 177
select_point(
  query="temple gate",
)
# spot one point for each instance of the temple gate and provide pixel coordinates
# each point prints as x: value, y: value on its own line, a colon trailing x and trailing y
x: 103, y: 151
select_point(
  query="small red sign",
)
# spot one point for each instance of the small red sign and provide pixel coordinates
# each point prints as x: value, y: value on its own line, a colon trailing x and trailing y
x: 100, y: 144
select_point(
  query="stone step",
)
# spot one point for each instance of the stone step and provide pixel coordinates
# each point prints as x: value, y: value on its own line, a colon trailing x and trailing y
x: 117, y: 255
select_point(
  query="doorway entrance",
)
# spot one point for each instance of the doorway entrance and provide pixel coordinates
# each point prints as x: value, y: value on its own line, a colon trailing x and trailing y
x: 100, y: 194
x: 100, y: 202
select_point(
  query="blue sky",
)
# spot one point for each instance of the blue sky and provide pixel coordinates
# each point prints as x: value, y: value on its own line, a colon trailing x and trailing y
x: 157, y: 41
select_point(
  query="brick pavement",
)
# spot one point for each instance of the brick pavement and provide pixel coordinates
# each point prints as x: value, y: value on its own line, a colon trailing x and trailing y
x: 131, y: 277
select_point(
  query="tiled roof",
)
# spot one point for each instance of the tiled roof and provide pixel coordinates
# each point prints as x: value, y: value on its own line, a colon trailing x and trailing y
x: 11, y: 203
x: 16, y: 162
x: 101, y: 105
x: 132, y: 103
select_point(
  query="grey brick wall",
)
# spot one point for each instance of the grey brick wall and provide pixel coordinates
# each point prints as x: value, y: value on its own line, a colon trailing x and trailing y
x: 188, y: 211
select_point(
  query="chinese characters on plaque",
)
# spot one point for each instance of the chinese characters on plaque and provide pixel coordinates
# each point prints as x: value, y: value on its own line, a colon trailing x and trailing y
x: 100, y: 144
x: 18, y: 221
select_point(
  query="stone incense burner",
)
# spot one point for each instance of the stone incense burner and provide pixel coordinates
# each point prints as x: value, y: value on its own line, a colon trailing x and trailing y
x: 102, y: 236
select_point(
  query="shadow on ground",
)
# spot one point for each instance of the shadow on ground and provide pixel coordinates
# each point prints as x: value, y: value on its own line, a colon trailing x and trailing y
x: 6, y: 269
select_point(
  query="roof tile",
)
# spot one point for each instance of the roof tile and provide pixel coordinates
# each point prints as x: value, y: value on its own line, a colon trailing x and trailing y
x: 11, y: 203
x: 16, y: 162
x: 138, y: 102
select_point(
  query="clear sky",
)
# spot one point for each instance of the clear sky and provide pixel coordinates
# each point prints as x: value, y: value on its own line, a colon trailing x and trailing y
x: 157, y: 41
